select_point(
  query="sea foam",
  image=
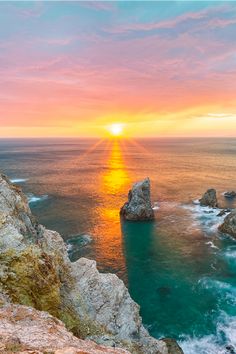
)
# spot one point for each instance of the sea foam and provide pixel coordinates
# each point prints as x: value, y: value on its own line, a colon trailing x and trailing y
x: 206, y: 217
x: 34, y: 199
x: 225, y: 337
x: 18, y: 180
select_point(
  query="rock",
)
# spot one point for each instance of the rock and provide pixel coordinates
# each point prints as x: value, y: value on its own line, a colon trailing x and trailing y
x: 209, y: 198
x: 230, y: 349
x: 223, y: 212
x: 139, y: 205
x: 26, y: 330
x: 229, y: 224
x: 173, y: 346
x: 78, y: 241
x: 107, y: 299
x: 230, y: 195
x: 35, y: 271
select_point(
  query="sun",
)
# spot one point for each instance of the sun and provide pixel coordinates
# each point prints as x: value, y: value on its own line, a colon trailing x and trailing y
x: 116, y: 129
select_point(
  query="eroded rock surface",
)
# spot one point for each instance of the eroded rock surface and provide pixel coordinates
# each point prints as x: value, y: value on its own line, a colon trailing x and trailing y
x: 26, y: 330
x: 209, y: 198
x: 229, y: 224
x: 138, y: 206
x: 35, y: 271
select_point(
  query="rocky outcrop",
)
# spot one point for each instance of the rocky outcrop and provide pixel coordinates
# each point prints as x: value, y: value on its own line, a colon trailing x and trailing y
x: 230, y: 195
x: 224, y: 212
x: 209, y: 199
x: 26, y: 330
x: 35, y: 271
x: 229, y: 224
x: 138, y: 206
x: 172, y: 346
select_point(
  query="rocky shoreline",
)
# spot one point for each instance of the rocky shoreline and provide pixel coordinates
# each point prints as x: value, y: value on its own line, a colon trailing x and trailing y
x: 209, y: 199
x: 35, y: 272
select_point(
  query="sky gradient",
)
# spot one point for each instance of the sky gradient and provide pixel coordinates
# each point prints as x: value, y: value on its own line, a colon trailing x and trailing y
x: 159, y: 68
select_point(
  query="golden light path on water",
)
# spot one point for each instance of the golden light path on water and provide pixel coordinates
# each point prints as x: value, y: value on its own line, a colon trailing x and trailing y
x: 115, y: 181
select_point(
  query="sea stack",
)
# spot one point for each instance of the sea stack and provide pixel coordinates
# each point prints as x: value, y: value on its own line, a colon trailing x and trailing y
x: 138, y: 207
x: 229, y: 224
x: 209, y: 199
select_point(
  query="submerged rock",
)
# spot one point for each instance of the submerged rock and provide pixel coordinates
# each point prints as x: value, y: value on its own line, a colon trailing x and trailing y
x: 35, y: 271
x: 229, y: 224
x: 139, y: 205
x: 209, y: 199
x: 230, y: 195
x: 78, y: 241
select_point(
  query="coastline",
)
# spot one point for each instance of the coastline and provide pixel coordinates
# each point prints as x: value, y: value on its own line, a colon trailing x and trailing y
x: 92, y: 305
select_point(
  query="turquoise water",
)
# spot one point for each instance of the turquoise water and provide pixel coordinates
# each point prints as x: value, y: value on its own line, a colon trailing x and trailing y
x: 179, y: 269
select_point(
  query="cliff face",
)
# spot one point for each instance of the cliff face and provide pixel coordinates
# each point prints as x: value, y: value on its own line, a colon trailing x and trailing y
x: 35, y: 271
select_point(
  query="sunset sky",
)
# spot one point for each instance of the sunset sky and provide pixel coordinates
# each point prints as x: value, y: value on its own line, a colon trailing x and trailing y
x: 158, y: 68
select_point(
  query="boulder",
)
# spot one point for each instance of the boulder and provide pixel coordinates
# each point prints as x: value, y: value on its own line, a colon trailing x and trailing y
x: 138, y: 206
x: 230, y: 195
x: 229, y: 224
x: 209, y: 199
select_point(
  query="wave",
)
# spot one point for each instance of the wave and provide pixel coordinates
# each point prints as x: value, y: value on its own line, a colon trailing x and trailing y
x: 156, y: 206
x: 211, y: 244
x: 222, y: 342
x: 218, y: 285
x: 34, y: 198
x: 18, y: 180
x: 208, y: 218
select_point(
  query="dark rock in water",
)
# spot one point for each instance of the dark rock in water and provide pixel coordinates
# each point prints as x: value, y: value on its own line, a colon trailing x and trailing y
x: 209, y: 198
x: 230, y: 349
x: 223, y: 212
x: 231, y: 194
x: 139, y: 205
x: 164, y: 291
x: 78, y: 241
x: 172, y: 345
x: 229, y: 224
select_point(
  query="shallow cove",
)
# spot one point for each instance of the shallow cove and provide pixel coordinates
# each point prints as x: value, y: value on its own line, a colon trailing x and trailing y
x: 174, y: 295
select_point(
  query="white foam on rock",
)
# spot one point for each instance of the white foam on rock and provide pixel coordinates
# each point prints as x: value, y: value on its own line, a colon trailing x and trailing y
x: 156, y: 206
x: 206, y: 217
x: 34, y: 199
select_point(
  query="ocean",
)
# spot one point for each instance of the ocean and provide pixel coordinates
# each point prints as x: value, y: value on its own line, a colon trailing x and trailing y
x: 179, y: 268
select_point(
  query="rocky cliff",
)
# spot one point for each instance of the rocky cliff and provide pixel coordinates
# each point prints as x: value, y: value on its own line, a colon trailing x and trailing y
x: 35, y: 271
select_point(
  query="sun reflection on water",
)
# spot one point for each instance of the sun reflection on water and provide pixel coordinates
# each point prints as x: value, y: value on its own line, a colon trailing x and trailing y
x: 114, y: 185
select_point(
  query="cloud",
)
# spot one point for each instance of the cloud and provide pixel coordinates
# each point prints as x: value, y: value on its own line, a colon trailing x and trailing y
x: 99, y: 5
x: 206, y: 18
